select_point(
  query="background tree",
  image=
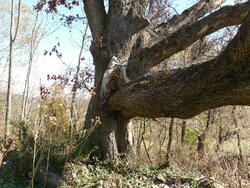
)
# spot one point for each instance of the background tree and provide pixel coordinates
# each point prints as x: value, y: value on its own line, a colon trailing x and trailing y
x: 12, y: 37
x: 76, y: 85
x: 35, y: 29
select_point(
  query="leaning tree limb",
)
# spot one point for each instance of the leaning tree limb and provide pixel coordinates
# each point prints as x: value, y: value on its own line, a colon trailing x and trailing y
x: 187, y: 17
x: 144, y: 58
x: 222, y: 81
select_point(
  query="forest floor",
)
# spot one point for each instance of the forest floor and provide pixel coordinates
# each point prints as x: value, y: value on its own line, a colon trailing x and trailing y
x: 82, y: 173
x: 126, y: 175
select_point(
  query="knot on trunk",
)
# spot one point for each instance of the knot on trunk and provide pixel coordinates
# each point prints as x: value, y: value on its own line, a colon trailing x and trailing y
x: 114, y: 77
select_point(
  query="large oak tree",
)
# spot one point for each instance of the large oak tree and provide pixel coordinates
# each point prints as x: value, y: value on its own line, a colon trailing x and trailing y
x: 123, y: 32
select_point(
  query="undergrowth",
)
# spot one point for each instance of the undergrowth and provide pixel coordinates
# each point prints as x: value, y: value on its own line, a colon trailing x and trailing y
x: 120, y: 174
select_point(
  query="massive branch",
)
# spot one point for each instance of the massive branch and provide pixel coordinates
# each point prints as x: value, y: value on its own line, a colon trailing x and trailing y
x: 188, y: 17
x: 96, y: 16
x: 144, y: 58
x: 128, y: 19
x: 222, y: 81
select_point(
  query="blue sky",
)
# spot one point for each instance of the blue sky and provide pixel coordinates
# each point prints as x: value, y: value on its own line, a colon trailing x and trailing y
x: 68, y: 48
x: 67, y: 37
x: 69, y: 40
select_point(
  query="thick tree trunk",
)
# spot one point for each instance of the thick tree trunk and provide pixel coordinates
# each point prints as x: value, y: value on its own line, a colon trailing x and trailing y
x: 107, y: 132
x: 107, y: 128
x: 114, y: 34
x: 114, y: 132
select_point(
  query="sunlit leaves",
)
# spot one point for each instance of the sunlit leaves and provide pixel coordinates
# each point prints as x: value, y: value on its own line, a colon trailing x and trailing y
x: 54, y: 109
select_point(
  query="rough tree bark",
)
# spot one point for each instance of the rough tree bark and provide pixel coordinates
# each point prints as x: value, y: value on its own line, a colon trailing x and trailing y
x: 123, y: 32
x: 189, y: 91
x: 113, y: 35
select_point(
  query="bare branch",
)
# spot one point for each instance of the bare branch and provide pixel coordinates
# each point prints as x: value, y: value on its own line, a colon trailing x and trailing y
x: 189, y: 16
x: 18, y: 20
x: 187, y: 92
x: 142, y: 59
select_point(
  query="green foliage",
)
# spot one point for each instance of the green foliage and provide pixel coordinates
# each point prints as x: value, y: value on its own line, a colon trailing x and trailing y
x: 194, y: 183
x: 16, y: 166
x: 53, y: 110
x: 120, y: 174
x: 87, y: 145
x: 191, y: 135
x: 42, y: 142
x: 14, y: 184
x: 24, y: 136
x: 112, y: 174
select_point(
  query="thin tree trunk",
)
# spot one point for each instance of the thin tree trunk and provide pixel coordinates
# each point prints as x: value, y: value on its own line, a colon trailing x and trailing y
x: 201, y: 145
x: 223, y: 136
x: 9, y: 87
x: 170, y: 139
x: 26, y: 90
x: 164, y: 135
x: 74, y: 89
x: 202, y: 137
x: 27, y: 80
x: 183, y: 131
x: 146, y: 150
x: 220, y: 140
x: 139, y: 140
x: 241, y: 159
